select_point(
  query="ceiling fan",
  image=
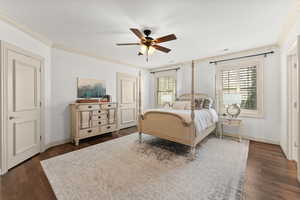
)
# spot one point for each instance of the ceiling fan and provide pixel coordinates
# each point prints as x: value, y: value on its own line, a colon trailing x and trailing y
x: 148, y: 44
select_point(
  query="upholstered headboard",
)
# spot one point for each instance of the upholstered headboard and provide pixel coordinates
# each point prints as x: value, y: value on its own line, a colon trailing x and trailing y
x: 188, y: 97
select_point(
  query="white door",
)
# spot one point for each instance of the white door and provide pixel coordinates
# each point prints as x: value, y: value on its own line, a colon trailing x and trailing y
x: 23, y: 106
x: 293, y: 106
x: 127, y: 99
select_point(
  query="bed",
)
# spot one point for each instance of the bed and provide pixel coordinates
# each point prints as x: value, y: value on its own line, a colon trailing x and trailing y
x: 181, y: 126
x: 178, y: 125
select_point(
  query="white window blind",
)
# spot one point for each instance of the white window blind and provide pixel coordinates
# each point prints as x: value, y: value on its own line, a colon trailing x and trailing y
x: 241, y: 80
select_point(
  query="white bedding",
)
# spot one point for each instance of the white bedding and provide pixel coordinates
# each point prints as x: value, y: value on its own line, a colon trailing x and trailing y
x: 204, y: 118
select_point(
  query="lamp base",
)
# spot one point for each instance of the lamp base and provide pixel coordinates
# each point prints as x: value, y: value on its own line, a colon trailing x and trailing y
x: 233, y: 110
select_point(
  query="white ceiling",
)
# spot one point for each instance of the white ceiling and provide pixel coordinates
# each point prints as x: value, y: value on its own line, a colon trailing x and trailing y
x: 203, y: 27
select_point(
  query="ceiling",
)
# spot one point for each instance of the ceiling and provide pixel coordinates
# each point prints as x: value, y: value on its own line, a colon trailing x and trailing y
x: 203, y: 27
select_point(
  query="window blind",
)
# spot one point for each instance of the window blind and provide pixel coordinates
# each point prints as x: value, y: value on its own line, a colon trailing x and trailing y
x: 241, y: 80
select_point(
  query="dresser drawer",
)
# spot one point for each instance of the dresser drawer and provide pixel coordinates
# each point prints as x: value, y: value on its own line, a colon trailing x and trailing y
x: 108, y: 106
x: 108, y: 128
x: 88, y: 107
x: 99, y: 123
x: 99, y: 112
x: 99, y: 117
x: 87, y: 132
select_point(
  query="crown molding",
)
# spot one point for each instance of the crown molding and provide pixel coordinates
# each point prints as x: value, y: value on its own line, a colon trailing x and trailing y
x: 49, y: 43
x: 290, y: 22
x: 221, y: 56
x: 25, y: 29
x: 88, y: 54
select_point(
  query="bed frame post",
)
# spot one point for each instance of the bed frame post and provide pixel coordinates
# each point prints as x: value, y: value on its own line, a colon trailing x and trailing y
x: 193, y: 146
x: 140, y: 111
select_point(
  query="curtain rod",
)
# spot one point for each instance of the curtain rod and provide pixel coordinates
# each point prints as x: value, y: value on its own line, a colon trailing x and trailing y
x: 166, y: 70
x: 254, y: 55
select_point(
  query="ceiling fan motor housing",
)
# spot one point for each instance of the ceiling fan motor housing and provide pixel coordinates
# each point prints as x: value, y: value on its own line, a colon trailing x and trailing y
x: 147, y: 32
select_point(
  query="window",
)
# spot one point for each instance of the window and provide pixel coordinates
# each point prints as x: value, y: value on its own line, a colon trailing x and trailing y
x: 166, y: 89
x: 245, y: 79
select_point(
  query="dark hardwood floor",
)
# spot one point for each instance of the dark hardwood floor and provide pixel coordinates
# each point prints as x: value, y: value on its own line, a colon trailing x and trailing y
x: 269, y: 174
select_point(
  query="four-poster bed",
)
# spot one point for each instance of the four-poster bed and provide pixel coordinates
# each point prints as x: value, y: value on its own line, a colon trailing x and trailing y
x: 177, y: 125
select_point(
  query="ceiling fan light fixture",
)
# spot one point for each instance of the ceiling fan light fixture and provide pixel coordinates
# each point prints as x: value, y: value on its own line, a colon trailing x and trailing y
x: 151, y: 50
x: 144, y: 49
x: 149, y: 44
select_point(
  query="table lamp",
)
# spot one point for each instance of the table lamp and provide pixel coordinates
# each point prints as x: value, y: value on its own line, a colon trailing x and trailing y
x: 232, y: 101
x: 166, y: 100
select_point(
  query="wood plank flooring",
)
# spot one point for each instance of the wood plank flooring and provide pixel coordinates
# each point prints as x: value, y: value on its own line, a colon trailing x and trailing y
x: 269, y: 174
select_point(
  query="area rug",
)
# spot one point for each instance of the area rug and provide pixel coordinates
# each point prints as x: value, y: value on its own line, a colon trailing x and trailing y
x: 123, y: 169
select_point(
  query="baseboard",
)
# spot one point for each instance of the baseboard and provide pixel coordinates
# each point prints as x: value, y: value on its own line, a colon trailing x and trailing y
x: 284, y: 152
x: 254, y: 139
x: 52, y: 144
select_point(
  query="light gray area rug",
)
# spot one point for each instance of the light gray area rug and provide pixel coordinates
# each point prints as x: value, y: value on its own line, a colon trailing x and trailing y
x: 155, y: 170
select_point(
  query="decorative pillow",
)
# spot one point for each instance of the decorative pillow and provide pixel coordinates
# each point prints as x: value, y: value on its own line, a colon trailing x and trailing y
x: 199, y: 103
x: 207, y: 103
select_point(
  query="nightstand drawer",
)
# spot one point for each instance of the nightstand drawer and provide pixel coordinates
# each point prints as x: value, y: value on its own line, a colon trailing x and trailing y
x: 231, y: 122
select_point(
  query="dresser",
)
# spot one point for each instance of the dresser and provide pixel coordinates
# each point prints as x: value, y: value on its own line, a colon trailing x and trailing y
x: 91, y: 119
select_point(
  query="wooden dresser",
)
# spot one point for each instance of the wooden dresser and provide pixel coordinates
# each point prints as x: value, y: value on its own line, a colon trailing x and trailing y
x: 91, y: 119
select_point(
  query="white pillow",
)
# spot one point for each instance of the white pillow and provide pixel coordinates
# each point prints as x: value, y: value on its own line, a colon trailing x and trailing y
x: 181, y: 105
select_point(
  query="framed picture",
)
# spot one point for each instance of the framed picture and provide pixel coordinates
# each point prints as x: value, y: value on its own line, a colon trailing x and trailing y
x: 90, y: 88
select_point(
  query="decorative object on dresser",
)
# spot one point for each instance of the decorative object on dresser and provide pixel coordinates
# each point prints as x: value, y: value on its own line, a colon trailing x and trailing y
x: 91, y: 119
x: 90, y: 88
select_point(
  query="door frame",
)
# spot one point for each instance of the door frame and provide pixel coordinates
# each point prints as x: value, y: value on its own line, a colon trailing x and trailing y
x: 119, y: 74
x: 4, y: 47
x: 298, y: 52
x: 290, y: 143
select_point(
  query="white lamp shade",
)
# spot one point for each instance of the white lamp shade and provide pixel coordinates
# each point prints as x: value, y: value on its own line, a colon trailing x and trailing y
x: 166, y: 98
x: 229, y: 99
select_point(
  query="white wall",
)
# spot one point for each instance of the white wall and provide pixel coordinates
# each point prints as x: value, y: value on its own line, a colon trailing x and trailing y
x: 264, y: 129
x: 18, y: 38
x: 66, y: 68
x: 61, y: 70
x: 289, y: 41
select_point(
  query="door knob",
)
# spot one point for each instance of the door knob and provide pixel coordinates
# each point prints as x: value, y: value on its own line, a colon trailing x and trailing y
x: 11, y: 118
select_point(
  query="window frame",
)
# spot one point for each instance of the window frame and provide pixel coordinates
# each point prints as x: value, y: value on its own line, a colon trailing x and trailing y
x: 258, y: 62
x: 164, y: 74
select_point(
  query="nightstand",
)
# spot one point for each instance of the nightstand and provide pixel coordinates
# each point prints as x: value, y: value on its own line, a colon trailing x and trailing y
x: 230, y: 122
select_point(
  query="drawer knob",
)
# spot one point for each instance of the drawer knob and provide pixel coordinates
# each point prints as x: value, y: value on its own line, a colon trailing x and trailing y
x: 99, y: 122
x: 99, y: 111
x: 99, y: 117
x: 108, y: 127
x: 89, y: 106
x: 109, y: 105
x: 89, y: 131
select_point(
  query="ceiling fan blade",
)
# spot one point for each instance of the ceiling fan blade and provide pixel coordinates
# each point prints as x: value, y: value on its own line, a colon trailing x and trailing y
x: 123, y: 44
x: 137, y: 32
x: 166, y: 38
x: 160, y: 48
